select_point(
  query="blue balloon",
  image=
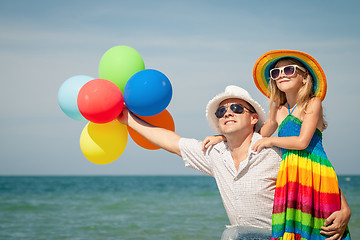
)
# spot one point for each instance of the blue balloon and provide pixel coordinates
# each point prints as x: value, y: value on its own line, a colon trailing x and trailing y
x: 67, y: 96
x: 147, y: 92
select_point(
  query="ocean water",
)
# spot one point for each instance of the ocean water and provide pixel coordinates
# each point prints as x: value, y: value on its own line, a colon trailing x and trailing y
x: 124, y: 207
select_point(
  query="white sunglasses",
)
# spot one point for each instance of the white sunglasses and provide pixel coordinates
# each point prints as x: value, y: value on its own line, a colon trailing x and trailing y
x: 288, y: 70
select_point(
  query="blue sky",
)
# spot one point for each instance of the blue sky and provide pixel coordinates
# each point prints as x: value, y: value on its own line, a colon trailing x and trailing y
x: 202, y: 46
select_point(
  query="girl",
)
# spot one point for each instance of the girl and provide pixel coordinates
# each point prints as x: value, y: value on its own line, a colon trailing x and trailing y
x: 307, y: 190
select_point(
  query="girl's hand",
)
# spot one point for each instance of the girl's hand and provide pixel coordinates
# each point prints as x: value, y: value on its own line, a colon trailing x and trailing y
x: 212, y: 140
x: 262, y: 143
x: 338, y: 221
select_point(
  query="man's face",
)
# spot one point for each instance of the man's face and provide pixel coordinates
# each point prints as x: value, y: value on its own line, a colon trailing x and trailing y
x: 232, y: 122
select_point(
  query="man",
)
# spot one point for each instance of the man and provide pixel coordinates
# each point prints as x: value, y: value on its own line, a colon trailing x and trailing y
x: 246, y: 179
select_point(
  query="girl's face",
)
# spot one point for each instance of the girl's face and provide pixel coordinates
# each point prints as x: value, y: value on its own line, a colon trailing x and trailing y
x: 290, y: 84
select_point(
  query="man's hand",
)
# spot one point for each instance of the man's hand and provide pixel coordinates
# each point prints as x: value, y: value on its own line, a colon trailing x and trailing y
x: 338, y: 221
x: 124, y: 115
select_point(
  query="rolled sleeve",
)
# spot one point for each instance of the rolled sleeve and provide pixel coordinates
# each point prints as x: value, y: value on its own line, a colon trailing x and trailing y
x: 193, y: 155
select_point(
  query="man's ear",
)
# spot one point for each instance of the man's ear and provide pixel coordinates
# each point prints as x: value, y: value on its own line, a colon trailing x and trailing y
x: 254, y: 118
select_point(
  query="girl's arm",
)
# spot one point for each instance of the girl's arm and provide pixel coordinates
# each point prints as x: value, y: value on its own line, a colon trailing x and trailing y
x: 310, y: 121
x: 271, y: 124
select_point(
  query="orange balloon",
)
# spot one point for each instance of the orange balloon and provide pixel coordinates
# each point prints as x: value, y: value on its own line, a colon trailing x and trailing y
x: 163, y: 120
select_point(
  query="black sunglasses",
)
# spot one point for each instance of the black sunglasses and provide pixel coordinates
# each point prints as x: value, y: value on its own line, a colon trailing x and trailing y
x: 235, y: 108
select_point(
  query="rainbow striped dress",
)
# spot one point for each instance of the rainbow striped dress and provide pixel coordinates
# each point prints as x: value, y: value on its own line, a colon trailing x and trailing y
x: 307, y: 189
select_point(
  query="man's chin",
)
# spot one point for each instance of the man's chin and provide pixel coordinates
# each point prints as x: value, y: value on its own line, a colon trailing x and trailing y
x: 228, y: 130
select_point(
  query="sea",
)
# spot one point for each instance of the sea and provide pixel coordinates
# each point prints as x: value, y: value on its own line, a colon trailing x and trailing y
x: 124, y: 207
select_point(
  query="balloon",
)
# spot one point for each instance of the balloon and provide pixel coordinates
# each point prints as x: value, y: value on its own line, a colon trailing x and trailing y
x: 100, y: 101
x: 147, y: 92
x: 103, y: 143
x: 163, y: 120
x: 119, y: 63
x: 67, y: 96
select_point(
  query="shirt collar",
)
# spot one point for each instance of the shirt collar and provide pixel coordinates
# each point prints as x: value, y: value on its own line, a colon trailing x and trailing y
x: 221, y: 147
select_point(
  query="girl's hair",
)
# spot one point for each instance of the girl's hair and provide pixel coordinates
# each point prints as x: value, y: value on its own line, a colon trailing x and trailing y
x: 306, y: 92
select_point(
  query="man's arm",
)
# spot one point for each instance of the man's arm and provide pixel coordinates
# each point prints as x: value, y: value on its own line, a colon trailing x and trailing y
x: 338, y: 221
x: 163, y: 138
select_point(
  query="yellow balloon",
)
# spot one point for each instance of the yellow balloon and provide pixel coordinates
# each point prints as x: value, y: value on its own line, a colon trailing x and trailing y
x: 103, y: 143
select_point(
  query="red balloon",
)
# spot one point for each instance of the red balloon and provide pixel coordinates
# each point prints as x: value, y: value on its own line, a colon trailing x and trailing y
x: 100, y: 101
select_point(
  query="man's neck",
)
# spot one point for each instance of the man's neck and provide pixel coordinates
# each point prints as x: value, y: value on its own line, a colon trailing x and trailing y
x: 239, y: 145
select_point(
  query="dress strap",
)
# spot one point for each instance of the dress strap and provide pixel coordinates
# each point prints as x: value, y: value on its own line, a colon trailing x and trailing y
x: 291, y: 110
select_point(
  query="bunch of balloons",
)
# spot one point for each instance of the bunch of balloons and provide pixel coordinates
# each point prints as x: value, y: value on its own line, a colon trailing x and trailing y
x: 122, y: 79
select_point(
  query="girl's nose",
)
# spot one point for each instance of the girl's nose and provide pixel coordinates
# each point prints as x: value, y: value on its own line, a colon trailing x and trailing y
x: 282, y: 74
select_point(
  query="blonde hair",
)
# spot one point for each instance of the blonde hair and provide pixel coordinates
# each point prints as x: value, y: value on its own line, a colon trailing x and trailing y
x: 305, y: 94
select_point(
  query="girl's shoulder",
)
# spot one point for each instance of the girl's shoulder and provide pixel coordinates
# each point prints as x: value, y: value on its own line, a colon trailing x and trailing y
x: 315, y: 100
x: 283, y: 109
x: 314, y: 112
x: 277, y: 108
x: 314, y: 104
x: 281, y: 113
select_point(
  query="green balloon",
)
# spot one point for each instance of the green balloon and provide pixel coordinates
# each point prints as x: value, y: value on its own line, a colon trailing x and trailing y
x: 119, y: 63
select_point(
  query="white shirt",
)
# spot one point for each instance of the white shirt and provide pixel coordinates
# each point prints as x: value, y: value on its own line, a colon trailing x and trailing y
x: 248, y: 193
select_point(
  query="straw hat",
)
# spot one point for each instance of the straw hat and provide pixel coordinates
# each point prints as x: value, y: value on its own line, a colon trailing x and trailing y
x: 232, y: 92
x: 266, y: 62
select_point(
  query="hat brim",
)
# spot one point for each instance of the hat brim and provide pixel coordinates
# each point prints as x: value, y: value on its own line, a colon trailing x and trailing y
x: 262, y: 67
